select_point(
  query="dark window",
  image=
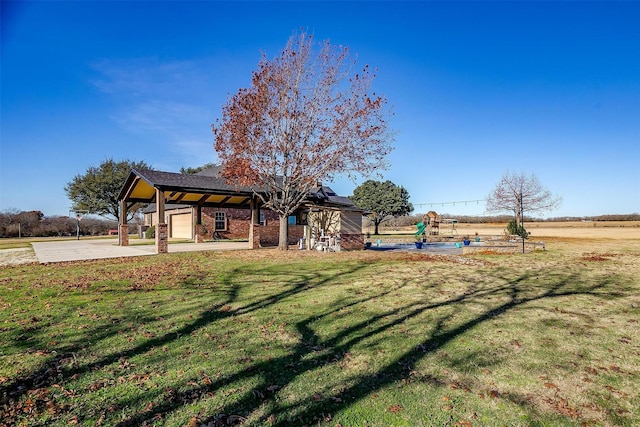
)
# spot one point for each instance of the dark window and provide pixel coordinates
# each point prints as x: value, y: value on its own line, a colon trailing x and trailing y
x: 221, y: 221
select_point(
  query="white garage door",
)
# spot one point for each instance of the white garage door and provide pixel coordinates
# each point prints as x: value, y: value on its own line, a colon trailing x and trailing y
x: 180, y: 226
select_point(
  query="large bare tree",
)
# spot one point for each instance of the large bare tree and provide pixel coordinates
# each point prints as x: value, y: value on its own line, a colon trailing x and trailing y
x: 517, y: 193
x: 307, y: 117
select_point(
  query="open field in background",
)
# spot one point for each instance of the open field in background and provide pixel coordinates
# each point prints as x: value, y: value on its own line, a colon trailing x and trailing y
x: 549, y: 338
x: 617, y: 230
x: 599, y: 229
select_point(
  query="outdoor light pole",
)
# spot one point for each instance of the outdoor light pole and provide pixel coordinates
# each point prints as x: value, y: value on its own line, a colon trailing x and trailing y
x: 522, y: 220
x: 78, y: 218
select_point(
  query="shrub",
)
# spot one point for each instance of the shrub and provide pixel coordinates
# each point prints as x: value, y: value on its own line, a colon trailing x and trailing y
x: 150, y: 233
x: 516, y: 229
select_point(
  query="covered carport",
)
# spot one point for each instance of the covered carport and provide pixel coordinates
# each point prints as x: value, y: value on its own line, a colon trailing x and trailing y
x: 163, y: 188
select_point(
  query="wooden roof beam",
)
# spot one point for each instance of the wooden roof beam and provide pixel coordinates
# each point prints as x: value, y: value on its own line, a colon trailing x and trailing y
x: 131, y: 187
x: 202, y: 199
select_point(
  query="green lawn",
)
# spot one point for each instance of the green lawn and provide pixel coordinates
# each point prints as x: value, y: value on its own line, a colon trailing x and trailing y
x: 348, y: 339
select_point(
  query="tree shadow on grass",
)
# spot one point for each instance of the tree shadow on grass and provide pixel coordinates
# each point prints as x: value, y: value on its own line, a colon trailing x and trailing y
x: 313, y: 350
x: 63, y: 365
x: 309, y: 411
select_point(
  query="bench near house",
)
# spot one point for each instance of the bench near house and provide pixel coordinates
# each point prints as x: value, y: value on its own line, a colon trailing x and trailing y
x: 203, y: 206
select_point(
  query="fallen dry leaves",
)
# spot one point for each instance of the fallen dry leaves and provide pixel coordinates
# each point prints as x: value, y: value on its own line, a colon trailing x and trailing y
x: 395, y: 408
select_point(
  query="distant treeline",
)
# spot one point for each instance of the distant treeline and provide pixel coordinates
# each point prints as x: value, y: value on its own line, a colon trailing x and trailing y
x: 507, y: 218
x: 36, y: 224
x: 414, y: 219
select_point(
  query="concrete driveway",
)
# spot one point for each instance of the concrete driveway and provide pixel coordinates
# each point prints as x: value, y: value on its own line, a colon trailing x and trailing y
x: 76, y: 250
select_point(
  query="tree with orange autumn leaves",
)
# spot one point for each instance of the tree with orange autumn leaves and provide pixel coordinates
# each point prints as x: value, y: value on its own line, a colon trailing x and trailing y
x: 306, y: 118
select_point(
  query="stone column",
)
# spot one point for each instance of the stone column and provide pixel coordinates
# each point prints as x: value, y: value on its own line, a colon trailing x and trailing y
x: 162, y: 240
x: 254, y: 236
x: 254, y: 226
x: 123, y: 235
x: 199, y: 233
x: 199, y: 228
x: 162, y: 230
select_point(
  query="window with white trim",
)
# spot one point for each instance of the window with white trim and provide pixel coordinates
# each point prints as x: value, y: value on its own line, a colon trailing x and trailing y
x: 220, y: 221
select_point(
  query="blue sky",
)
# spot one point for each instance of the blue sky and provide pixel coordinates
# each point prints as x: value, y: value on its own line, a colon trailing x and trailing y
x: 478, y: 88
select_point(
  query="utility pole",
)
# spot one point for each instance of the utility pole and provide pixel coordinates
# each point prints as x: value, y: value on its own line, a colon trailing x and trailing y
x: 522, y: 220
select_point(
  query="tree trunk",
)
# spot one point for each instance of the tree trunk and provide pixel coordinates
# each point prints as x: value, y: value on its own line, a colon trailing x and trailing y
x: 375, y: 229
x: 283, y: 238
x: 518, y: 218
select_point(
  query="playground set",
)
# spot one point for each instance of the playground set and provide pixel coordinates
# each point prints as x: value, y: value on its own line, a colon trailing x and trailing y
x: 430, y: 225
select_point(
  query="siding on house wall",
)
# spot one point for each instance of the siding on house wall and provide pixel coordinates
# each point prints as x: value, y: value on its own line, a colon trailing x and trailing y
x: 351, y: 222
x: 326, y: 220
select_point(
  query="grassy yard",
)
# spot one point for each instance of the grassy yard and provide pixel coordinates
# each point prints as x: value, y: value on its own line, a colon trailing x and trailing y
x: 304, y: 338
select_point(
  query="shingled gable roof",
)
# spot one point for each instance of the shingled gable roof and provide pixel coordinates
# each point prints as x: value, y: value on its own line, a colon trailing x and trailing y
x: 207, y: 188
x: 190, y: 189
x: 169, y: 181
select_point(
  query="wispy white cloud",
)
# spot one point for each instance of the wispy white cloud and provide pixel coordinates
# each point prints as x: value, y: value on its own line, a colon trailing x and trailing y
x: 170, y: 103
x: 193, y: 152
x: 145, y: 77
x: 163, y: 116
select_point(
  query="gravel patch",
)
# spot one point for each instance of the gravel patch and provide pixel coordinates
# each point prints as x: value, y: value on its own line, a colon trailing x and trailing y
x: 17, y: 256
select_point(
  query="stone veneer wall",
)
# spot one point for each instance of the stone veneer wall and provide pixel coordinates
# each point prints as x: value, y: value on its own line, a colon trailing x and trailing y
x: 269, y: 235
x: 498, y: 246
x: 238, y: 222
x: 351, y: 242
